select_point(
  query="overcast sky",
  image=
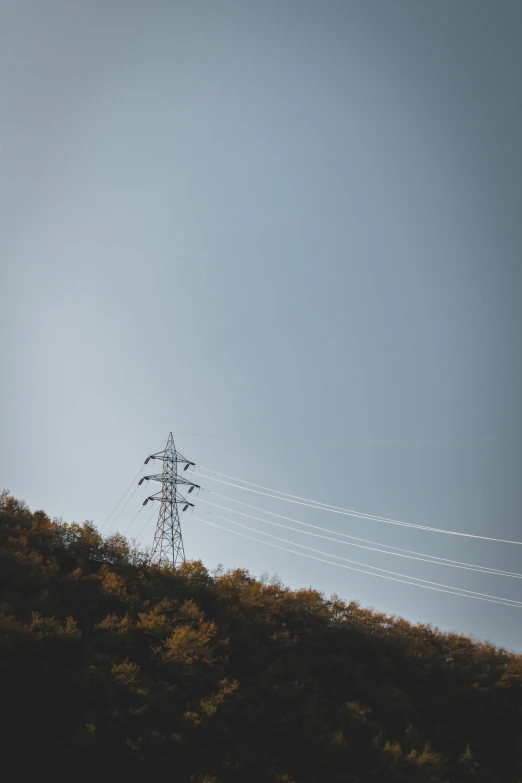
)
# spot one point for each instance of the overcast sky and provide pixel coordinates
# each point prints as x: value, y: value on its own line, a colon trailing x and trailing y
x: 290, y: 232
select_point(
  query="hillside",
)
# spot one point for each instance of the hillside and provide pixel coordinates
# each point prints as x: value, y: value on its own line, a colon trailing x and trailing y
x: 117, y: 671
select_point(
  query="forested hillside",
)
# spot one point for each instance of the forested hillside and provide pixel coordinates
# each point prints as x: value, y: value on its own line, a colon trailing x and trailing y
x: 112, y: 670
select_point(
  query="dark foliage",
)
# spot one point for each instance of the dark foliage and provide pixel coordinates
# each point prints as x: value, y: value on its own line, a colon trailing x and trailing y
x: 112, y: 670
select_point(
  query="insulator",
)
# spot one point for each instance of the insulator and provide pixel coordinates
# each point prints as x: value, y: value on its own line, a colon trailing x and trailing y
x: 185, y: 506
x: 186, y: 466
x: 140, y: 482
x: 148, y: 458
x: 190, y: 490
x: 146, y: 501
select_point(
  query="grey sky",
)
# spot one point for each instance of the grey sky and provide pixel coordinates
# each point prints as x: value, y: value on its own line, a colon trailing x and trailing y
x: 293, y: 222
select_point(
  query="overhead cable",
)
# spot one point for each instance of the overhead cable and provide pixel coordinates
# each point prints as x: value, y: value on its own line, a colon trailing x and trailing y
x: 411, y: 554
x: 351, y: 513
x: 376, y: 568
x: 122, y: 509
x: 351, y: 568
x: 127, y: 490
x: 146, y: 523
x: 133, y: 519
x: 408, y: 580
x: 119, y: 501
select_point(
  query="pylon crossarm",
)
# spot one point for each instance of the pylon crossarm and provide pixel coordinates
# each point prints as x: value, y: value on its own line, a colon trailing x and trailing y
x: 159, y: 455
x: 157, y: 477
x: 152, y: 497
x: 177, y: 458
x: 187, y: 483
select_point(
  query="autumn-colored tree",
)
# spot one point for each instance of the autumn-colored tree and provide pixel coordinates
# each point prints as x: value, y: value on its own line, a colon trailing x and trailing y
x: 115, y: 670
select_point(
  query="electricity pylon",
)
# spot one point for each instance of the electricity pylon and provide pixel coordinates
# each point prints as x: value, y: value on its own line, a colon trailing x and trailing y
x: 167, y: 546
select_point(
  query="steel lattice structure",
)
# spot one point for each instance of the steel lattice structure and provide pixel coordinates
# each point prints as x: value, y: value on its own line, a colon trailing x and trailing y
x: 167, y: 546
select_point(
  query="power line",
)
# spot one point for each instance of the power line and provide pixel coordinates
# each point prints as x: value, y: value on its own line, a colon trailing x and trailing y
x: 133, y: 519
x: 355, y: 441
x: 411, y: 556
x: 122, y: 509
x: 451, y: 591
x: 377, y: 568
x: 356, y: 538
x: 119, y: 501
x: 128, y: 488
x: 351, y: 513
x: 146, y: 523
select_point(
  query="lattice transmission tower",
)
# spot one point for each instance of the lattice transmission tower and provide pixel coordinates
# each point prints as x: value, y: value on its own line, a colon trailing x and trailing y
x: 167, y: 546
